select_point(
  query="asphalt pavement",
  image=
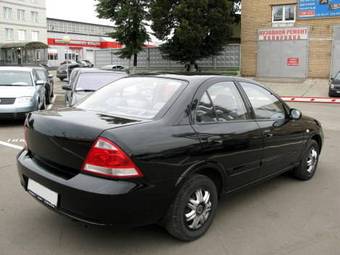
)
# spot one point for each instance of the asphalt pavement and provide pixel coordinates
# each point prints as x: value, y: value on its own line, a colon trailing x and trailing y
x: 282, y: 216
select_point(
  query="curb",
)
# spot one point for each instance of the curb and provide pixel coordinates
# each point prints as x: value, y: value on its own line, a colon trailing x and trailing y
x: 321, y: 100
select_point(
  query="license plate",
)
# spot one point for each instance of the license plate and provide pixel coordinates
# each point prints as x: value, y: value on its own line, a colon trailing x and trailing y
x: 45, y: 195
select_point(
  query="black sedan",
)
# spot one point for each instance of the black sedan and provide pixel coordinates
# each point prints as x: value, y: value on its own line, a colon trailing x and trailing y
x: 163, y: 149
x: 334, y: 86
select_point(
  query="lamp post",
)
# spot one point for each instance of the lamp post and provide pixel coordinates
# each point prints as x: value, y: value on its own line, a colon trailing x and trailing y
x: 67, y: 41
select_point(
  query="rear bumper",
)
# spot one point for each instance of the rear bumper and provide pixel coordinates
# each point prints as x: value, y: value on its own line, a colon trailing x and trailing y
x: 334, y: 92
x: 62, y: 75
x: 96, y: 200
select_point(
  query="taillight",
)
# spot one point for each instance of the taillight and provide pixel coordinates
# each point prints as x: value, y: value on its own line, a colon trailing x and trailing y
x: 108, y: 160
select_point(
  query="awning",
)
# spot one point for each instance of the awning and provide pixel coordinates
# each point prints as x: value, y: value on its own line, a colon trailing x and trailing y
x: 24, y: 45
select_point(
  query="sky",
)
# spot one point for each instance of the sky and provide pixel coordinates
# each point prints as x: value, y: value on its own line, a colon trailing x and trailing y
x: 77, y: 10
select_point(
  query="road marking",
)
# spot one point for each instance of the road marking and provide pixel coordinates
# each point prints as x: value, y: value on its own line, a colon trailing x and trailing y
x: 16, y: 140
x: 11, y: 145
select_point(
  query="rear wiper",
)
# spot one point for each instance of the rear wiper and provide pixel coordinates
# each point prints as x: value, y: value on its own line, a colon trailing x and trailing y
x: 86, y: 90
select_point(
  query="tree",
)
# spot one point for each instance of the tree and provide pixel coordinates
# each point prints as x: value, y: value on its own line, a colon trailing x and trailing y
x: 130, y: 18
x: 192, y: 29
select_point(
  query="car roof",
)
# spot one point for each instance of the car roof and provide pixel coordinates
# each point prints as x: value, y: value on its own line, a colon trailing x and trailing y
x: 186, y: 76
x: 194, y: 77
x: 96, y: 70
x: 17, y: 68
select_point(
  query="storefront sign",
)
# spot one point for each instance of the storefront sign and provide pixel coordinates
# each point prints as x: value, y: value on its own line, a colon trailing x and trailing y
x: 318, y: 8
x: 293, y: 61
x: 79, y: 42
x: 283, y: 34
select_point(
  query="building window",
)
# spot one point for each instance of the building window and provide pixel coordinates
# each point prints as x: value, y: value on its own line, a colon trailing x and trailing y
x: 34, y: 16
x: 35, y: 35
x: 7, y: 13
x: 21, y: 15
x: 9, y: 32
x: 21, y: 35
x: 283, y: 13
x: 52, y: 54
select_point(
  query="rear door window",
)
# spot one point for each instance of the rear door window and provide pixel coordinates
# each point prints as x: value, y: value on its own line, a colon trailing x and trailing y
x: 227, y: 101
x: 221, y: 102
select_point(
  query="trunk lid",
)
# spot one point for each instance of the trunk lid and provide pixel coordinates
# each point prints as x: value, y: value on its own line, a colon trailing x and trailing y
x: 62, y: 139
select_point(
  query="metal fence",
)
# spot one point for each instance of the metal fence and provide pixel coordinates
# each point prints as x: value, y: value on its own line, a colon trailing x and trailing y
x: 152, y: 59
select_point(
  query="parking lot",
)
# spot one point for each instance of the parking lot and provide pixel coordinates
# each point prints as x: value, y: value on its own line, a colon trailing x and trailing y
x: 283, y: 216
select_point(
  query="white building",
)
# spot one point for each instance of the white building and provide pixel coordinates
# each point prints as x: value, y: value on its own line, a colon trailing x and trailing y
x: 84, y: 39
x: 21, y: 23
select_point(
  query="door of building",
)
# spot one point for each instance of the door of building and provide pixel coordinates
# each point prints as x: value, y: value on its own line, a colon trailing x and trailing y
x: 335, y: 51
x: 282, y: 52
x: 89, y: 55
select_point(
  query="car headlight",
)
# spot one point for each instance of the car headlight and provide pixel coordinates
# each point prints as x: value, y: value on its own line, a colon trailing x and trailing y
x: 23, y: 100
x: 332, y: 86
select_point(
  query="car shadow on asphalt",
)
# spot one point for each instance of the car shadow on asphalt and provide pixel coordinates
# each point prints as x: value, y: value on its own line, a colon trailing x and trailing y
x: 11, y: 123
x: 154, y: 236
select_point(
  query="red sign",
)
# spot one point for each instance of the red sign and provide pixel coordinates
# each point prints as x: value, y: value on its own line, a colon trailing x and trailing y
x: 293, y: 61
x: 79, y: 44
x: 283, y: 34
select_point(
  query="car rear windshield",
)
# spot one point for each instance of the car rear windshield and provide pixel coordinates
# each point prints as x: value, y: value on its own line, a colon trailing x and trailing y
x: 95, y: 81
x: 137, y: 97
x: 15, y: 78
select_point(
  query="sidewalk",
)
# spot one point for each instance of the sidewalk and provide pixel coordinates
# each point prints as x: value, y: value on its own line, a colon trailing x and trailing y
x: 304, y: 88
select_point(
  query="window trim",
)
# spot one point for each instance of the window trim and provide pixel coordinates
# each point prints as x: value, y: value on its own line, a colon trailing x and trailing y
x: 283, y: 21
x: 204, y: 89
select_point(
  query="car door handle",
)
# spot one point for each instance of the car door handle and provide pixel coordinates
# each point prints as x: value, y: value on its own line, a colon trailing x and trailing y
x: 268, y: 133
x: 215, y: 140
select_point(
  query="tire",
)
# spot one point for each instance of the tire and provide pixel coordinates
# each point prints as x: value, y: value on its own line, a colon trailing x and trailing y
x: 43, y: 105
x: 177, y: 221
x: 309, y: 163
x: 48, y: 98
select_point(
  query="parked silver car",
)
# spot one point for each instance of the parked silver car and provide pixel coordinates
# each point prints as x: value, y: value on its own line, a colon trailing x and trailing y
x: 84, y: 81
x: 21, y: 92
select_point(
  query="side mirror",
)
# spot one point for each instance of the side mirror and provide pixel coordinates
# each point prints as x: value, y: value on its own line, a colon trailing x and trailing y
x: 50, y: 76
x: 295, y: 114
x: 40, y: 83
x: 66, y: 87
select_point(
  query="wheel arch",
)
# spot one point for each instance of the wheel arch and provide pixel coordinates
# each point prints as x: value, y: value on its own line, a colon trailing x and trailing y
x: 213, y: 171
x: 318, y: 139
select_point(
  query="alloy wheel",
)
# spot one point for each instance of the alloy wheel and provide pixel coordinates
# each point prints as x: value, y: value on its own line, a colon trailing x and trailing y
x: 312, y: 160
x: 198, y: 209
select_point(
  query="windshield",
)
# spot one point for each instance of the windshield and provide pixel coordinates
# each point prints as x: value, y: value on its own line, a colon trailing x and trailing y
x: 42, y: 75
x: 142, y: 98
x: 95, y: 81
x: 337, y: 77
x: 15, y: 78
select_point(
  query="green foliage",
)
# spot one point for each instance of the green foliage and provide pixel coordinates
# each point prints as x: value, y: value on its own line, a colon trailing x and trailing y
x: 130, y: 18
x: 192, y: 29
